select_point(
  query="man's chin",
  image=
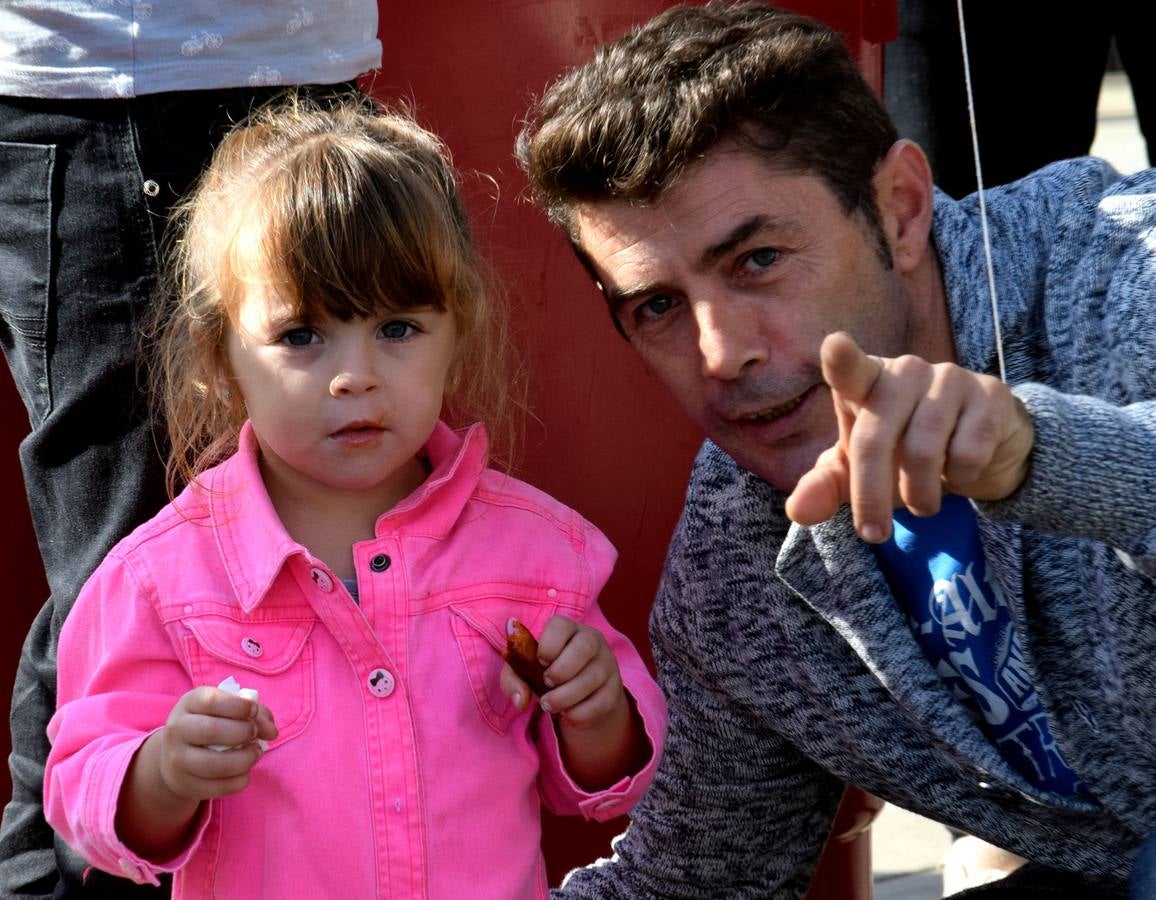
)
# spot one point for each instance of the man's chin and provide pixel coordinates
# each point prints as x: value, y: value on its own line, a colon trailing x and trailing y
x: 780, y: 469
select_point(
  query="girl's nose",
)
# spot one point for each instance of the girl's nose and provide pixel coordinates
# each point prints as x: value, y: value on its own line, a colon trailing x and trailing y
x: 350, y: 382
x: 356, y: 375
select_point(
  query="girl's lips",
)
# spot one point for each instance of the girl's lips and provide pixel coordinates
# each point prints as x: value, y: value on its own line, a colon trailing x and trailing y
x: 358, y: 433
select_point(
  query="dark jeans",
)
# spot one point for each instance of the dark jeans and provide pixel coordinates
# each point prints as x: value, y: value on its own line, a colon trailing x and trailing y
x: 1036, y: 68
x: 1144, y: 871
x: 78, y: 275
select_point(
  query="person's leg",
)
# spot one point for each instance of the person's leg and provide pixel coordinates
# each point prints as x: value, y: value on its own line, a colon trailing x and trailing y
x: 923, y: 89
x: 1134, y: 24
x: 1144, y: 871
x: 79, y: 270
x: 971, y: 862
x: 1036, y: 68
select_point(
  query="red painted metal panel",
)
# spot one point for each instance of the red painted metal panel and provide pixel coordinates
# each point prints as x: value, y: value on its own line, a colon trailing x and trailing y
x: 605, y: 437
x: 26, y: 589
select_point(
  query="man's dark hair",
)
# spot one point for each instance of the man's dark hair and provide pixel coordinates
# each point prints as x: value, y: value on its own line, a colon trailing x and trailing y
x: 624, y: 125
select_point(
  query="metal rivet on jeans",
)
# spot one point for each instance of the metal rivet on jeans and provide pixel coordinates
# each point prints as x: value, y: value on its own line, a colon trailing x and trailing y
x: 379, y: 563
x: 151, y: 188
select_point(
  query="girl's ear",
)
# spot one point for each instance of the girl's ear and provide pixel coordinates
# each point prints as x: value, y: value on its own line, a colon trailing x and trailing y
x: 454, y: 377
x: 905, y: 197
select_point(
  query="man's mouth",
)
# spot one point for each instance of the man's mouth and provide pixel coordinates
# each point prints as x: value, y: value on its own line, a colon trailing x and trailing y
x: 771, y: 413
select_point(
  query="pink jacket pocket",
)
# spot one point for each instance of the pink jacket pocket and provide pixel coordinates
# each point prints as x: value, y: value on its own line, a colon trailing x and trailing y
x: 479, y: 628
x: 273, y: 658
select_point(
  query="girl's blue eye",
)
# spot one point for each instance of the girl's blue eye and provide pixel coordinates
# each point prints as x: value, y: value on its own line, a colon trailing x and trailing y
x: 397, y: 330
x: 298, y: 337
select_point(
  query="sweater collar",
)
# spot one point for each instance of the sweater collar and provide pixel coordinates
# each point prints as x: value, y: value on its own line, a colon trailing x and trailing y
x: 958, y: 242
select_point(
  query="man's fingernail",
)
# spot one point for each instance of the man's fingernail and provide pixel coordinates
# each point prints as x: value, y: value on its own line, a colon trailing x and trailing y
x: 546, y: 707
x: 871, y: 533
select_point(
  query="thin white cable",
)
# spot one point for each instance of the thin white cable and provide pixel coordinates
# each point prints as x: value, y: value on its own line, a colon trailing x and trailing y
x: 982, y: 199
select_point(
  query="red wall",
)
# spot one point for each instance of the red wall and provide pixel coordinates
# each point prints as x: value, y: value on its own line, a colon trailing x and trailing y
x: 605, y: 438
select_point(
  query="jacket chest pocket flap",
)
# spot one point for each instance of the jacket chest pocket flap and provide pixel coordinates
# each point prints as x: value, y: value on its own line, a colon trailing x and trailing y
x: 273, y: 658
x: 480, y: 631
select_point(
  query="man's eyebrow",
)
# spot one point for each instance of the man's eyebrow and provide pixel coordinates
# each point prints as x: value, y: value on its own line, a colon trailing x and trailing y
x: 736, y: 236
x: 617, y: 297
x: 743, y: 231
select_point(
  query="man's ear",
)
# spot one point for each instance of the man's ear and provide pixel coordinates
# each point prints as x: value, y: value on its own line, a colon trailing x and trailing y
x: 904, y: 194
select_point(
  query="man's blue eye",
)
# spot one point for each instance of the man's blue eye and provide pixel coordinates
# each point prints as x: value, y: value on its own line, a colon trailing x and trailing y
x: 397, y: 330
x: 298, y: 337
x: 657, y: 306
x: 763, y: 257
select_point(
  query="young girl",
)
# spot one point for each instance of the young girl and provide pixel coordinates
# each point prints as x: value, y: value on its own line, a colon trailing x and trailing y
x: 346, y: 556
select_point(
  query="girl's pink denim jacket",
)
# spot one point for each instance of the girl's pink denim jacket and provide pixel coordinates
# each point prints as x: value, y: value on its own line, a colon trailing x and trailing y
x: 401, y: 770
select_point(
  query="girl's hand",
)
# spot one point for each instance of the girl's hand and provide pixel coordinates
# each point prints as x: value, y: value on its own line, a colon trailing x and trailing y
x: 203, y: 720
x: 176, y: 770
x: 600, y: 732
x: 581, y: 674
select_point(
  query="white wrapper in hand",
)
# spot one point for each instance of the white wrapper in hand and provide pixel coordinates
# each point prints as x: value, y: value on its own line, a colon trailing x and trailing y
x: 231, y: 686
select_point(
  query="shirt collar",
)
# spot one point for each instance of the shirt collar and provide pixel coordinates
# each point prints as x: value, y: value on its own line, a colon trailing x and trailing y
x: 254, y: 545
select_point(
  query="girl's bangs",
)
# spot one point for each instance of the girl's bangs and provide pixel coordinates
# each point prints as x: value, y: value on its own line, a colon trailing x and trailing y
x: 361, y: 241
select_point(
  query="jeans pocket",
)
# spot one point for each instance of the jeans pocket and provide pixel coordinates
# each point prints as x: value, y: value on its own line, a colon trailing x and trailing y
x: 26, y: 268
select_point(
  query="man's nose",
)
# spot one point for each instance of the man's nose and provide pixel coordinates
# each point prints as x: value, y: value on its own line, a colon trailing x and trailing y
x: 730, y: 339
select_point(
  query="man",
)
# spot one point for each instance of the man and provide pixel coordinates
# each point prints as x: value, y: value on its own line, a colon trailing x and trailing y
x: 960, y: 618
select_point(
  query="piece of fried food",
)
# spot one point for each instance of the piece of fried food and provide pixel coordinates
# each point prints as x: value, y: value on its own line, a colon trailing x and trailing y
x: 522, y: 654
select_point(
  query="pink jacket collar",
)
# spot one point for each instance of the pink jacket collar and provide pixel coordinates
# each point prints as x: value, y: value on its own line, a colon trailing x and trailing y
x: 253, y: 543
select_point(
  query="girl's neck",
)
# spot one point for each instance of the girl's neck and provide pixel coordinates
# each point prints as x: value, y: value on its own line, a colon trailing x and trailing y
x: 330, y: 521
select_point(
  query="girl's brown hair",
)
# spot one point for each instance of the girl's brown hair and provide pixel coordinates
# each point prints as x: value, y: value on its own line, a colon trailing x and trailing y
x: 354, y: 210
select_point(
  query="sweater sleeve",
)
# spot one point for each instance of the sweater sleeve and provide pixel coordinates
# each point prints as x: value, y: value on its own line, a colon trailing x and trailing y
x: 735, y: 810
x: 1094, y: 402
x: 118, y: 679
x: 1091, y: 474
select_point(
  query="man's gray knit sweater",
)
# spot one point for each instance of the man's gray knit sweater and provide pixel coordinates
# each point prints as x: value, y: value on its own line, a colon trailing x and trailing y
x: 788, y: 665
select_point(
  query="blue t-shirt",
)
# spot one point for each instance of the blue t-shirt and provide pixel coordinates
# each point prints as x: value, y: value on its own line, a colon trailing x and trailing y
x: 960, y: 619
